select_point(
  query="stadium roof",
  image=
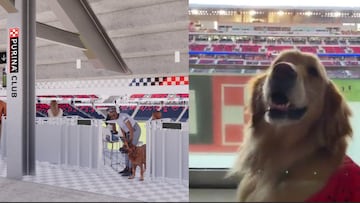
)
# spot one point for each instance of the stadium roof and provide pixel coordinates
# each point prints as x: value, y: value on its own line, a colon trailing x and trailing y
x: 127, y: 37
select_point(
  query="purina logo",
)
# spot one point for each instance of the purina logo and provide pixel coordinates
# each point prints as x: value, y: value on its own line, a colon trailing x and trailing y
x: 14, y: 50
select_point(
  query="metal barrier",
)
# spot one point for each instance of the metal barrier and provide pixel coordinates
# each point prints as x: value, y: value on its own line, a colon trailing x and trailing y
x: 69, y: 142
x: 167, y: 146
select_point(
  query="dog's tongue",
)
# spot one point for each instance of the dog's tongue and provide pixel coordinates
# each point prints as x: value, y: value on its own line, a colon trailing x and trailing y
x: 280, y: 107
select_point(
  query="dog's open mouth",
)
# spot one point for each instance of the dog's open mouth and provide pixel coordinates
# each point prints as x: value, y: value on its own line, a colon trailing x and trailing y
x: 281, y: 108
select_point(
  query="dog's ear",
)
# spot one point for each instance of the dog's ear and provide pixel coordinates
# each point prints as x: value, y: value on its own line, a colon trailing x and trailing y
x: 256, y: 107
x: 335, y: 118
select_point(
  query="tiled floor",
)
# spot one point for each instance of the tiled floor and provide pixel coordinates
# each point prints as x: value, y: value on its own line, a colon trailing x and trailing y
x: 106, y: 182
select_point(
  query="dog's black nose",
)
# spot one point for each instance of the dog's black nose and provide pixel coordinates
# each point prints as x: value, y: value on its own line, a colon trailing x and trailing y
x: 283, y: 78
x: 284, y: 71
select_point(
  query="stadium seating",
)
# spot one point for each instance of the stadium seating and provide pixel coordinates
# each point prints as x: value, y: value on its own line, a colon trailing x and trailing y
x: 222, y: 47
x: 70, y: 110
x: 265, y: 63
x: 278, y: 48
x: 351, y: 63
x: 354, y: 41
x: 230, y: 62
x: 334, y: 49
x: 42, y: 109
x: 144, y: 113
x: 91, y: 112
x: 197, y: 47
x: 243, y: 41
x: 355, y: 49
x: 193, y: 61
x: 127, y: 109
x: 250, y: 48
x: 331, y: 41
x: 309, y: 49
x: 185, y: 117
x: 38, y: 114
x: 182, y: 95
x: 96, y: 109
x: 172, y: 112
x: 331, y: 63
x: 159, y: 96
x: 137, y: 96
x: 206, y: 61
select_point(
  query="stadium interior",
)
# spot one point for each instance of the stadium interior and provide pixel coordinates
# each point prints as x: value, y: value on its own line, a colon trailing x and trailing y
x: 228, y: 44
x: 90, y: 55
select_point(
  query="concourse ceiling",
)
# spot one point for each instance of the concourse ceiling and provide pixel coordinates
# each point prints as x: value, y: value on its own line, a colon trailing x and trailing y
x: 112, y: 38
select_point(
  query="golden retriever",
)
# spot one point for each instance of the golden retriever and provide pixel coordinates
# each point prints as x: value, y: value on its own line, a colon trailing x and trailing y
x: 137, y: 157
x: 297, y: 133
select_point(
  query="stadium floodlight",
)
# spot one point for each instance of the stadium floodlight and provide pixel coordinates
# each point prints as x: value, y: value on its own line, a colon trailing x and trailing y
x: 279, y: 3
x: 336, y: 14
x: 222, y: 12
x: 194, y: 12
x: 308, y: 13
x: 252, y: 12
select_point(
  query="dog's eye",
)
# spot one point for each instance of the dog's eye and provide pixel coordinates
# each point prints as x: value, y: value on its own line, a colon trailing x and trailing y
x: 313, y: 71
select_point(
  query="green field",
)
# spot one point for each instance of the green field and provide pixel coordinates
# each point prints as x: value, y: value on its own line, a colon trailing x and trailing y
x: 352, y: 94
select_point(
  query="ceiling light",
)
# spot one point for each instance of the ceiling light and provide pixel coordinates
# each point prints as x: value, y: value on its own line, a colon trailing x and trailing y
x: 195, y: 12
x: 222, y: 12
x: 337, y: 14
x: 78, y: 63
x: 280, y: 13
x: 252, y: 12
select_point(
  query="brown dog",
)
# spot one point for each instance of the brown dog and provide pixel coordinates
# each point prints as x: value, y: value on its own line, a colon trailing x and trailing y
x: 298, y: 132
x: 137, y: 157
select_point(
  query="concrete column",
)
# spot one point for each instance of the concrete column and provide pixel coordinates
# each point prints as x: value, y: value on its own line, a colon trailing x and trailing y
x: 20, y: 129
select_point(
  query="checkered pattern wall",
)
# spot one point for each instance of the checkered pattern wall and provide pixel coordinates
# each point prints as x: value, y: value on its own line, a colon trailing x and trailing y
x: 76, y: 84
x: 113, y: 83
x: 160, y: 81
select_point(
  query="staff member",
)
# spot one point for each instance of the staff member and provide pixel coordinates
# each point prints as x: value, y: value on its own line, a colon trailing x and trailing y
x: 130, y: 129
x: 2, y: 113
x: 54, y: 110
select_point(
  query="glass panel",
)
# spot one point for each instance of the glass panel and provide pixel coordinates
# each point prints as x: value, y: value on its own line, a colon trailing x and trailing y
x: 218, y: 116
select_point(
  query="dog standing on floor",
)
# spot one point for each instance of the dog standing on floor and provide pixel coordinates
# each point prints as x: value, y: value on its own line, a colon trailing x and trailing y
x: 137, y: 157
x: 295, y: 149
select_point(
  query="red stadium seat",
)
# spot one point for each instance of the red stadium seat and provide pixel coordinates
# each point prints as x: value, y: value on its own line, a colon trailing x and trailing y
x: 223, y: 47
x: 334, y: 49
x: 278, y: 48
x: 309, y: 49
x: 356, y: 49
x: 197, y: 47
x: 250, y: 48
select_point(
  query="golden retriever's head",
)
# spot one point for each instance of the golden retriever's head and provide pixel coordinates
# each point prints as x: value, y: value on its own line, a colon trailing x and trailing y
x: 294, y: 86
x: 129, y: 147
x: 295, y: 90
